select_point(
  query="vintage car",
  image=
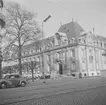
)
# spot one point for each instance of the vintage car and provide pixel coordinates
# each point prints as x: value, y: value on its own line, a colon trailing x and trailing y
x: 13, y: 80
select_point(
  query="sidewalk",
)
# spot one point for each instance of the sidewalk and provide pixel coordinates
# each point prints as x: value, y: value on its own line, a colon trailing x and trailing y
x: 60, y: 79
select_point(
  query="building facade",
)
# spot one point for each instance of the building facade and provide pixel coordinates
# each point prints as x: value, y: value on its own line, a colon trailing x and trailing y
x: 69, y: 52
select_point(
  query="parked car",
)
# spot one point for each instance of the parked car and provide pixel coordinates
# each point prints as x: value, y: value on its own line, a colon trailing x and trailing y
x: 13, y: 80
x: 47, y: 76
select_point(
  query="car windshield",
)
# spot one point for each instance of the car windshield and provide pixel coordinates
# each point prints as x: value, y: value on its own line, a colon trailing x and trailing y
x: 6, y: 77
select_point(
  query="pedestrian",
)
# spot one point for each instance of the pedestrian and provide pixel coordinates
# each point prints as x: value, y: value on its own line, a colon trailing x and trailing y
x: 80, y: 75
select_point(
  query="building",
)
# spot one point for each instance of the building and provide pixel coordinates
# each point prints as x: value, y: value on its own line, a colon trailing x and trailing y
x: 69, y: 52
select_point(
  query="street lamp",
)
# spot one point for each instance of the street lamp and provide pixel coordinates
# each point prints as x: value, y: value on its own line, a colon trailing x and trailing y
x: 43, y: 58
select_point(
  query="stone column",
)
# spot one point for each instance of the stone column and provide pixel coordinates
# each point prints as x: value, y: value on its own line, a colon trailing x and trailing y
x: 68, y: 60
x: 49, y: 55
x: 77, y: 61
x: 86, y: 55
x: 45, y: 63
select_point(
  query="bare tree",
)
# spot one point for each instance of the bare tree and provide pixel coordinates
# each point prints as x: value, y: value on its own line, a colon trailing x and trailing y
x: 21, y: 28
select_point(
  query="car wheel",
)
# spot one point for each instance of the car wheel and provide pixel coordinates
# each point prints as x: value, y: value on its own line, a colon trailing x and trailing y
x: 23, y: 84
x: 3, y: 85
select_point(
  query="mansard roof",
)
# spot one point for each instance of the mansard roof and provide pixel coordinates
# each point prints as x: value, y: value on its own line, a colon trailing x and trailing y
x: 72, y: 30
x: 47, y: 40
x: 101, y: 38
x: 38, y: 43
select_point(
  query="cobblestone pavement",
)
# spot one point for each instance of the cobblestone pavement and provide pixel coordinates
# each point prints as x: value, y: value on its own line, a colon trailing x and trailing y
x: 58, y: 92
x: 95, y: 96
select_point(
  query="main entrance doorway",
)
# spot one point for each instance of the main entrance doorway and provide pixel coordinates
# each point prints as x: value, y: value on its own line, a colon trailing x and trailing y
x: 60, y: 68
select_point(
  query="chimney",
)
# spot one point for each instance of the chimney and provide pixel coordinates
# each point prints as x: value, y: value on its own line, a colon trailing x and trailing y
x: 94, y: 32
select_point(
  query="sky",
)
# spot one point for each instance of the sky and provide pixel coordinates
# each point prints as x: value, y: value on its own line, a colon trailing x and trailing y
x: 88, y: 13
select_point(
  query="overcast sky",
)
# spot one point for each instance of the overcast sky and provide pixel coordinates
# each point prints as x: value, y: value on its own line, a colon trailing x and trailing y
x: 89, y: 13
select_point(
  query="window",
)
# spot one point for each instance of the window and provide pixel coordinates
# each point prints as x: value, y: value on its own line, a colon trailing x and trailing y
x: 73, y: 66
x: 48, y: 45
x: 79, y: 40
x: 83, y: 52
x: 22, y: 54
x: 40, y: 49
x: 11, y: 76
x: 90, y: 56
x: 73, y: 53
x: 31, y: 51
x: 26, y: 52
x: 6, y: 77
x: 83, y: 64
x: 63, y: 55
x: 51, y: 44
x: 101, y: 44
x: 105, y: 45
x: 84, y: 41
x: 44, y: 47
x: 97, y: 43
x: 34, y: 51
x: 70, y: 41
x: 89, y: 39
x: 17, y: 76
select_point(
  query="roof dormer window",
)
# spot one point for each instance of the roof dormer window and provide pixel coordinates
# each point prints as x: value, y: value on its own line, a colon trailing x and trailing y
x: 84, y: 41
x: 46, y: 47
x: 34, y: 51
x: 40, y: 49
x: 25, y: 52
x: 51, y: 44
x: 97, y: 42
x: 73, y: 40
x: 79, y: 40
x: 105, y: 45
x: 22, y: 54
x: 31, y: 51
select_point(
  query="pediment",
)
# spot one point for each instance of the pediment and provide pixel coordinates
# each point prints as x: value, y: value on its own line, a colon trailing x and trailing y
x: 90, y: 38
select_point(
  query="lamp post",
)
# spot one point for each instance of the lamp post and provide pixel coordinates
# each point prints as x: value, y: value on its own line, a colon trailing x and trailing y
x: 43, y: 58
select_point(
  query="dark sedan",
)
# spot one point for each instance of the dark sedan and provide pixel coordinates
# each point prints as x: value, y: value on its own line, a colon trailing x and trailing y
x: 13, y: 80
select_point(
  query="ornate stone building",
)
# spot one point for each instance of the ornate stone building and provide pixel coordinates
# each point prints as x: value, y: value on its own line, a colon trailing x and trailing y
x: 69, y: 52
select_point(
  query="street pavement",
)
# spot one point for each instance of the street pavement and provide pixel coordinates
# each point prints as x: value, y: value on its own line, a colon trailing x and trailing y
x: 61, y: 91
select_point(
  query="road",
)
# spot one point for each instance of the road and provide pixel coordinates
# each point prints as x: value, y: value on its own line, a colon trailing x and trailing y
x: 65, y: 91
